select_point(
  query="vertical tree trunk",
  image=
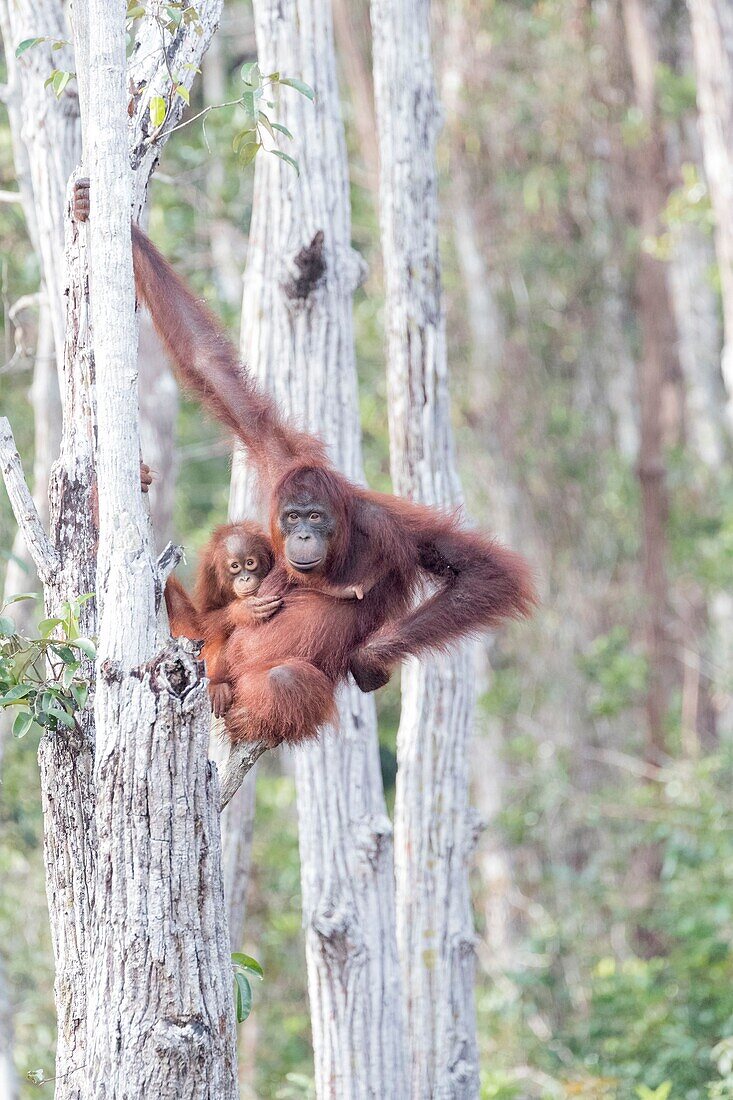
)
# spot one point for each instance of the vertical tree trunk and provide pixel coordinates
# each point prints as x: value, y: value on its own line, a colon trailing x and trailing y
x: 67, y: 565
x: 158, y: 418
x: 50, y: 134
x: 435, y: 831
x: 160, y: 1013
x: 712, y: 36
x: 656, y: 364
x: 300, y: 343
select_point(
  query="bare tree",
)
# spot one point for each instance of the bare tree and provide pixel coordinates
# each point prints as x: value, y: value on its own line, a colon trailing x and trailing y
x: 435, y: 831
x: 300, y: 344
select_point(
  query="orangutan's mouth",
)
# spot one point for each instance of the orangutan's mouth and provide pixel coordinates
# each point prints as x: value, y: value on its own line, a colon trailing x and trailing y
x: 304, y: 566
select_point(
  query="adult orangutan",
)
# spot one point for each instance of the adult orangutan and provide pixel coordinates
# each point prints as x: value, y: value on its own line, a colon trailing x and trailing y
x: 325, y: 531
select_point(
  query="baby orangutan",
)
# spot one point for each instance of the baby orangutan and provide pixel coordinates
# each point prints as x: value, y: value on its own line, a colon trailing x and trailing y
x: 233, y: 565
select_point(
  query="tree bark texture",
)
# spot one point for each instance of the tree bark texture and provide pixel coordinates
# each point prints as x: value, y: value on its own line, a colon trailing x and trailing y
x: 435, y: 831
x: 298, y: 339
x: 712, y: 37
x: 160, y: 1011
x: 50, y: 133
x: 67, y: 565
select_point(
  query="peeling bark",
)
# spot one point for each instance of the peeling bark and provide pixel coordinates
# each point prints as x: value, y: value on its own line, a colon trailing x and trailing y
x: 435, y: 830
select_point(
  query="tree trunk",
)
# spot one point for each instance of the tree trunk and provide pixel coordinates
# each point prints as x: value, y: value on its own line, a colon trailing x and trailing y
x: 158, y: 419
x: 656, y: 366
x: 435, y: 832
x: 160, y: 1013
x: 712, y: 36
x: 46, y: 404
x: 301, y: 346
x: 67, y: 564
x: 50, y: 134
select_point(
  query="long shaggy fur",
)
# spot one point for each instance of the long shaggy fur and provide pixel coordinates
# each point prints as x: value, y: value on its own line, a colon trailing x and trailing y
x: 283, y: 672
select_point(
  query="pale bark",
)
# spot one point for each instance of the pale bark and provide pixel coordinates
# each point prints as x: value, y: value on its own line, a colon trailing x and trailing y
x: 712, y: 36
x: 50, y: 134
x: 160, y: 1013
x: 158, y: 418
x: 46, y: 404
x: 302, y: 347
x: 435, y: 831
x: 67, y: 564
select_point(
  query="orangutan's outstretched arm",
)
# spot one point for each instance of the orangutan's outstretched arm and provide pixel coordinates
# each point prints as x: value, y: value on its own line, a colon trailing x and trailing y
x: 207, y: 361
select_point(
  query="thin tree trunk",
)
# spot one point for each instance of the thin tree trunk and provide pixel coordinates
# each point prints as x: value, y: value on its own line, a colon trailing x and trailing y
x: 158, y: 419
x: 302, y: 348
x: 435, y: 831
x: 50, y: 134
x: 46, y: 404
x: 712, y: 36
x: 656, y: 364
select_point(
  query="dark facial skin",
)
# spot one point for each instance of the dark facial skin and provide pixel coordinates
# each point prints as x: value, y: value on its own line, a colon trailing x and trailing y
x: 307, y: 528
x: 245, y: 568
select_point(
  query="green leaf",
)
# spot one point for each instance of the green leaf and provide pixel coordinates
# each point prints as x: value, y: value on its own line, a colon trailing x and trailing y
x: 66, y: 654
x: 251, y: 75
x: 67, y: 676
x: 63, y: 717
x: 274, y: 78
x: 21, y: 596
x: 7, y: 627
x: 26, y: 44
x: 60, y: 79
x: 47, y: 626
x: 247, y: 963
x: 23, y: 722
x: 87, y: 646
x: 288, y: 159
x: 20, y: 691
x: 244, y: 996
x: 244, y: 137
x: 135, y: 11
x: 183, y: 92
x: 157, y: 110
x: 250, y: 104
x: 249, y: 152
x: 282, y: 129
x: 80, y: 693
x: 299, y: 85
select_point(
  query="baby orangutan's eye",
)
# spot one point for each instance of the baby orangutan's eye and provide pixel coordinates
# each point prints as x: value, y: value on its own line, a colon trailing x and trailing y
x: 250, y: 563
x: 234, y: 567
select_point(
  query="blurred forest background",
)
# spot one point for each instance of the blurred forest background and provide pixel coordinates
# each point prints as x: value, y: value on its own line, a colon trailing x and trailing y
x: 585, y: 332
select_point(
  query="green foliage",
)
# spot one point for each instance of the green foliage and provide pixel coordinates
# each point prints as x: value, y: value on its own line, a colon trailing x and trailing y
x: 616, y: 672
x: 248, y: 141
x: 244, y: 966
x: 44, y: 679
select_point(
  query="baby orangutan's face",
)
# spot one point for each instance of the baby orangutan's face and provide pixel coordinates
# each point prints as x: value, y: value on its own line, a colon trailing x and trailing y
x: 246, y: 567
